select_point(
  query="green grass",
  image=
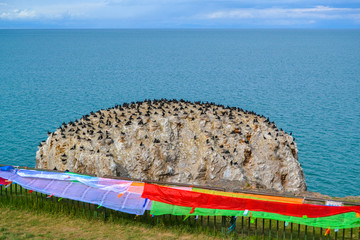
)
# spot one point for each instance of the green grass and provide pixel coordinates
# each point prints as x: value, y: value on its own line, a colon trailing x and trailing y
x: 25, y: 224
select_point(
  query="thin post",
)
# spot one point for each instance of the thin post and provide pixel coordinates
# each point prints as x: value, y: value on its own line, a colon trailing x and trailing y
x: 74, y: 206
x: 263, y: 228
x: 343, y: 237
x: 249, y: 227
x: 21, y: 192
x: 313, y: 234
x: 68, y: 205
x: 255, y: 228
x: 41, y: 199
x: 223, y: 219
x: 214, y: 223
x: 37, y: 205
x: 291, y: 231
x: 26, y: 198
x: 320, y: 233
x: 269, y: 229
x: 52, y: 204
x: 89, y: 211
x: 298, y: 231
x: 305, y: 232
x: 58, y: 206
x: 284, y: 231
x: 242, y: 226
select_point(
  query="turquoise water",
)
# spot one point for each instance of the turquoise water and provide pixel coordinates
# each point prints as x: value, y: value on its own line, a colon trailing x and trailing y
x: 307, y: 81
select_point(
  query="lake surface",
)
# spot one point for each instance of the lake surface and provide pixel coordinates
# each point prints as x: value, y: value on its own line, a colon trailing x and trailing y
x: 307, y: 81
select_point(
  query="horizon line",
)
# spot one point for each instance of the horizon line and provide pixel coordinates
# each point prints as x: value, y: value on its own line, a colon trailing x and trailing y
x: 190, y: 28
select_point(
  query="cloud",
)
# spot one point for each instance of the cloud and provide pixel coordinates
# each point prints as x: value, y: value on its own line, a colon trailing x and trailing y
x: 80, y: 10
x: 18, y: 14
x: 51, y: 11
x: 175, y: 13
x: 317, y: 12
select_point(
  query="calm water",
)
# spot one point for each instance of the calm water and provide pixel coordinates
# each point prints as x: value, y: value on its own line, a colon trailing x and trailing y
x: 307, y: 81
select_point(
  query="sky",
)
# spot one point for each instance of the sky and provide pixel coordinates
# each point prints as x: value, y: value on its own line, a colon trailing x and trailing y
x: 179, y: 14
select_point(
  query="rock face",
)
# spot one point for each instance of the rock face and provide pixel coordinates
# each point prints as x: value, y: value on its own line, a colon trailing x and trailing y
x: 177, y: 141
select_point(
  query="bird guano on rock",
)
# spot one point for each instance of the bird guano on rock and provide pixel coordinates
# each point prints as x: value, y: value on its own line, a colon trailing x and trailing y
x: 178, y: 141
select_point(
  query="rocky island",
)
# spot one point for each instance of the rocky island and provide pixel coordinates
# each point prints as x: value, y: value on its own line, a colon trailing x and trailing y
x: 177, y: 141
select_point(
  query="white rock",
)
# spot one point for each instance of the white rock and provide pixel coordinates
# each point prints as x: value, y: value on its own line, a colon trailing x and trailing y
x: 184, y: 145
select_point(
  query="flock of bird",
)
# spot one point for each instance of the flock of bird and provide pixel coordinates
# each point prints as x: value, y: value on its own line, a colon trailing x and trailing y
x: 100, y: 125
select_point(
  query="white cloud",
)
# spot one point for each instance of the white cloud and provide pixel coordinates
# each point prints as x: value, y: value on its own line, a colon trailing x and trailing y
x: 71, y: 10
x: 176, y: 12
x: 318, y: 12
x: 55, y: 11
x: 18, y: 14
x: 77, y: 10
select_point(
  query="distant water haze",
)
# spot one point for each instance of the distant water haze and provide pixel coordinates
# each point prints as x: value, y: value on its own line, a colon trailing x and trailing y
x: 306, y: 81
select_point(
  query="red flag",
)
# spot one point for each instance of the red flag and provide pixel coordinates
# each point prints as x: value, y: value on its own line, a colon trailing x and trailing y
x: 4, y: 181
x: 202, y: 200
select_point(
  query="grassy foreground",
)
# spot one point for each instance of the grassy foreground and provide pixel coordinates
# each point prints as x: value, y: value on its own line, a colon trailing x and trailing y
x: 26, y: 215
x: 23, y: 224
